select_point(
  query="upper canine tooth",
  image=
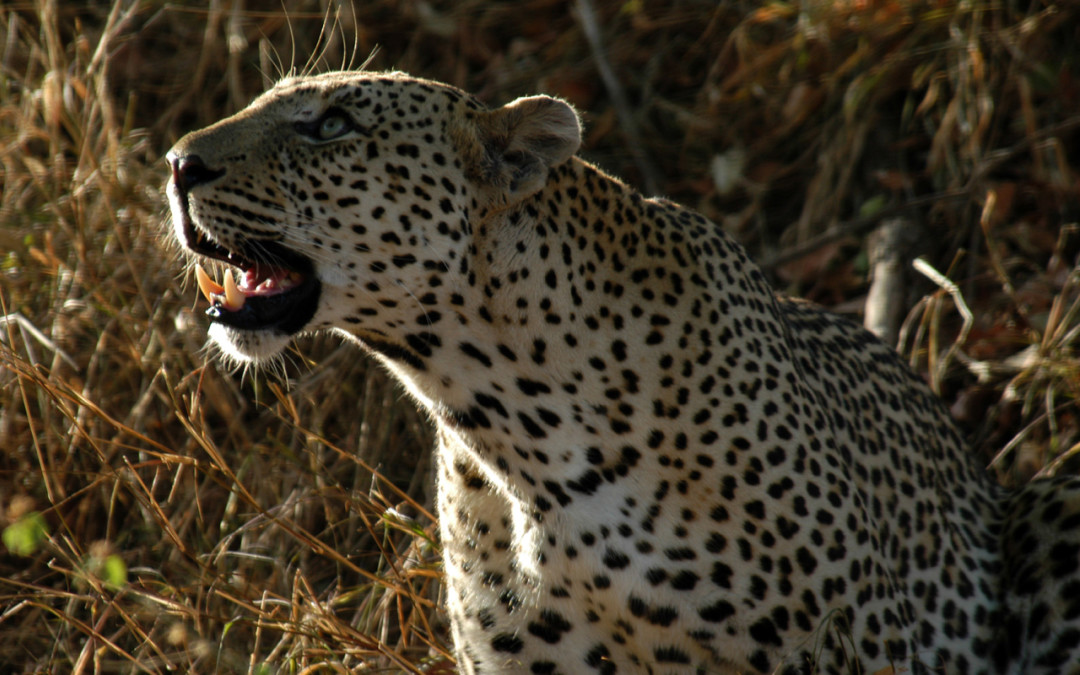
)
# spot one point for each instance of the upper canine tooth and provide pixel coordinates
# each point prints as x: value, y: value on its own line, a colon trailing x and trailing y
x: 208, y: 286
x: 234, y: 299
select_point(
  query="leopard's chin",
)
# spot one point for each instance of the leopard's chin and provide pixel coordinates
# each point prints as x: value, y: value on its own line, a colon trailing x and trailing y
x: 248, y: 346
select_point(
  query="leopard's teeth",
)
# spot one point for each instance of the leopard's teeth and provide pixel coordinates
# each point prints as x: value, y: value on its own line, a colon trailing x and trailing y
x: 234, y: 299
x: 229, y: 296
x: 208, y: 286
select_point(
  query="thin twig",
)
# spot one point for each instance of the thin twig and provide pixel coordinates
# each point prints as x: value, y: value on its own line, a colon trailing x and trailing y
x: 586, y: 14
x: 860, y: 226
x: 952, y: 289
x: 27, y: 326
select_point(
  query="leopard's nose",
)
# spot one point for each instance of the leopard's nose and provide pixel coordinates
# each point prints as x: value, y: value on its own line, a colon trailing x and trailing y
x: 190, y: 170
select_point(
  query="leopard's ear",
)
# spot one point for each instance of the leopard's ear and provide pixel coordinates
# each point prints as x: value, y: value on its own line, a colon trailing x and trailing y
x: 522, y: 140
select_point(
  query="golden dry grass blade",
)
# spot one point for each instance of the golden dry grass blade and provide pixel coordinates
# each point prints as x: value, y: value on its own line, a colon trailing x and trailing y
x: 244, y: 518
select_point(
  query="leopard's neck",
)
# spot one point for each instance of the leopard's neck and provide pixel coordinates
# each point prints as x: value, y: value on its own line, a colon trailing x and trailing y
x: 574, y: 347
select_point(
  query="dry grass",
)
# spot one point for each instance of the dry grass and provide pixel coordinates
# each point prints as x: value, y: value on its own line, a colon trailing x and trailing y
x: 161, y: 513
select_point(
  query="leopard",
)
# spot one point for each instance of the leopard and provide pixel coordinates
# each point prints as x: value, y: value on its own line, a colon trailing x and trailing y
x: 647, y: 460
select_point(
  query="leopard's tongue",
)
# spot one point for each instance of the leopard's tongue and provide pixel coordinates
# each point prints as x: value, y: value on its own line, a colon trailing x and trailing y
x: 256, y: 281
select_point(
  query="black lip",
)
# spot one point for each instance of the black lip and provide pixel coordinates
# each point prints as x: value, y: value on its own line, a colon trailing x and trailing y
x: 287, y: 312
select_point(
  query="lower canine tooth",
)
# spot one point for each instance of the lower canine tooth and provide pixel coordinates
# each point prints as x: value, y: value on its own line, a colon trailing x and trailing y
x: 234, y: 299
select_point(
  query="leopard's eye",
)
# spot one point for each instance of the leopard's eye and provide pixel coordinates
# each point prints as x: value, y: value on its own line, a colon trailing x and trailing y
x: 334, y: 123
x: 332, y: 126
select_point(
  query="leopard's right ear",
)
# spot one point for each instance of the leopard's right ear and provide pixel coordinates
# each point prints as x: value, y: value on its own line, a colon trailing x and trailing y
x: 521, y: 141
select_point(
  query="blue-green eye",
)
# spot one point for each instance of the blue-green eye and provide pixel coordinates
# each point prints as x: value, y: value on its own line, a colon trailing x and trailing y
x: 334, y: 123
x: 332, y: 126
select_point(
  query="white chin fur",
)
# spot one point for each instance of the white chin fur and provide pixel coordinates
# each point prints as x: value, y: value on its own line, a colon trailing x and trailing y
x: 245, y: 346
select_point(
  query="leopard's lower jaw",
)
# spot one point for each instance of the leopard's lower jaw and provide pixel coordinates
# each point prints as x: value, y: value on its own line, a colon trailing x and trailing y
x: 248, y: 346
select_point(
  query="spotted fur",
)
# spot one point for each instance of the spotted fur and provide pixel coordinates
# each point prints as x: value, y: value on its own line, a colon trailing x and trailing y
x: 647, y: 460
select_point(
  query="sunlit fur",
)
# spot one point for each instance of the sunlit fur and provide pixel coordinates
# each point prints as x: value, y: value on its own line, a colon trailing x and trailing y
x: 647, y: 460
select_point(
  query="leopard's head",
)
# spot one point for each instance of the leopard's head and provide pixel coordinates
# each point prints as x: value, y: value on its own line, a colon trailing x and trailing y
x: 348, y: 201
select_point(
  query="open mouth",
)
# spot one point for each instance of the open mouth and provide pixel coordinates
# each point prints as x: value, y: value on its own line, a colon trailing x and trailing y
x: 277, y: 288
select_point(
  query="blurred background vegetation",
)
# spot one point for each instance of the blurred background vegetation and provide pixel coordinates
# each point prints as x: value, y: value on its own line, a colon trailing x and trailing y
x: 162, y: 513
